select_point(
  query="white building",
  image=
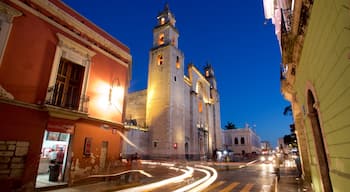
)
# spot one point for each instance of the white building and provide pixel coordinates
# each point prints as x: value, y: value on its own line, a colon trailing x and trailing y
x: 179, y: 115
x: 241, y: 141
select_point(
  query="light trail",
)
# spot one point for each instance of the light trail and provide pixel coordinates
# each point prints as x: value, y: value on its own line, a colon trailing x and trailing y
x: 121, y: 173
x: 208, y: 181
x: 128, y: 141
x: 187, y: 173
x: 194, y: 184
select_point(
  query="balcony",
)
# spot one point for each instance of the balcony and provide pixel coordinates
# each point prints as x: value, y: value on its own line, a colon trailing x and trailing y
x: 66, y: 105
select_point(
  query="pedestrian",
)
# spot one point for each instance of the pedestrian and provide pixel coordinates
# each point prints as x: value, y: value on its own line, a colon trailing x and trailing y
x: 52, y: 156
x: 277, y: 166
x: 59, y: 162
x: 215, y: 154
x: 298, y: 165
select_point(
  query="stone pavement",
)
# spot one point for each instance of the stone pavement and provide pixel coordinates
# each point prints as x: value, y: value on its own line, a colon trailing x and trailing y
x: 289, y: 182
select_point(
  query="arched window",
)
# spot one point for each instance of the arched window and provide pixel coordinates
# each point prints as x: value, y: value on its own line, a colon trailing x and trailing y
x: 200, y: 106
x: 162, y: 21
x: 236, y: 141
x: 178, y: 62
x: 161, y: 39
x: 160, y: 60
x: 242, y: 141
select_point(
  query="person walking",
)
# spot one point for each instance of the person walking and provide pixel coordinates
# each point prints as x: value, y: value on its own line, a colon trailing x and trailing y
x: 59, y: 162
x: 277, y: 166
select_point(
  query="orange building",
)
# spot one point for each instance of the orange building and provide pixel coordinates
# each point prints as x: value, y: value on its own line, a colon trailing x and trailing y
x: 62, y: 86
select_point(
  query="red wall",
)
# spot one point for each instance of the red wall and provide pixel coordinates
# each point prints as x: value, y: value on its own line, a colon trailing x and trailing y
x: 86, y: 128
x: 27, y: 61
x: 22, y: 124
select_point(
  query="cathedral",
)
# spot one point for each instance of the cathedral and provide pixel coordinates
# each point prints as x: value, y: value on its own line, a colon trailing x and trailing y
x: 178, y: 115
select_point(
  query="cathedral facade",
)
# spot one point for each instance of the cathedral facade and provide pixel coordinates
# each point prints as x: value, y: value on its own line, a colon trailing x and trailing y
x: 178, y: 115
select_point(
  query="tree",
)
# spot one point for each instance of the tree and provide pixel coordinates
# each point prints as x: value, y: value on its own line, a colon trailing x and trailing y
x: 230, y: 125
x: 288, y: 110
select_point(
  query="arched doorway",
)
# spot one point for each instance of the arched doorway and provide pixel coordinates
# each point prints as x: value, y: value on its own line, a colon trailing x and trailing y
x: 319, y: 142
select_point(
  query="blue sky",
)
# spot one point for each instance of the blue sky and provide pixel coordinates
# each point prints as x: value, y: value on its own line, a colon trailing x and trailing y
x: 230, y: 35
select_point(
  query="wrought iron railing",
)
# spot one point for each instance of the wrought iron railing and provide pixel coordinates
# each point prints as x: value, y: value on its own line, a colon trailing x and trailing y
x: 76, y: 103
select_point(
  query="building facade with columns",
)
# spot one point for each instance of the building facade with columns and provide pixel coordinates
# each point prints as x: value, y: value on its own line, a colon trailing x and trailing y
x: 178, y: 115
x: 242, y: 141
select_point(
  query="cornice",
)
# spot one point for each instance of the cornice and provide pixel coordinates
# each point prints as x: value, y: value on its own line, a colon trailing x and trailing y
x: 66, y: 42
x: 199, y: 74
x: 71, y: 21
x: 61, y: 14
x: 8, y: 12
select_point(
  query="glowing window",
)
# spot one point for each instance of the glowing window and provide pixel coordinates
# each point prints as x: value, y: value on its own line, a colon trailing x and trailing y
x: 161, y: 39
x: 207, y: 73
x: 178, y: 62
x: 200, y: 107
x: 162, y: 21
x: 160, y: 60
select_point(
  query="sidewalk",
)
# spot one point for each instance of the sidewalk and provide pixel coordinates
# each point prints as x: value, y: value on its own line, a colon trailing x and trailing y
x: 120, y: 182
x: 289, y: 182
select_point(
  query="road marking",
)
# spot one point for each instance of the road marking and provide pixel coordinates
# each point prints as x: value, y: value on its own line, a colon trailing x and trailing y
x: 213, y: 186
x: 247, y: 187
x: 230, y: 187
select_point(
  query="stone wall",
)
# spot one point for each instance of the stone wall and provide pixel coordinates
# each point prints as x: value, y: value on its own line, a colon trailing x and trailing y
x: 12, y: 158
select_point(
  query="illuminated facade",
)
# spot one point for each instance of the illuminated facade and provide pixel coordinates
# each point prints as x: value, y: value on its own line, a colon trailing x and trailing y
x: 62, y: 82
x: 315, y: 78
x: 180, y: 114
x: 243, y: 141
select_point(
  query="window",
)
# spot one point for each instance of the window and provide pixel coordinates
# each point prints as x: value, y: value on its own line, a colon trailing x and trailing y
x: 174, y: 78
x: 68, y: 85
x: 160, y: 60
x: 162, y: 21
x: 207, y: 73
x: 7, y: 14
x: 69, y: 75
x: 200, y: 107
x: 178, y: 62
x: 161, y: 39
x: 236, y: 141
x: 242, y: 141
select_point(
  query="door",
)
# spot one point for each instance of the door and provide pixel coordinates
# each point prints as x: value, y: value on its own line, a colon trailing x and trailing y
x: 103, y: 155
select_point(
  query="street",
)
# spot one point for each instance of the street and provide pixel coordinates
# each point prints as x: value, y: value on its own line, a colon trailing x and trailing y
x: 191, y: 176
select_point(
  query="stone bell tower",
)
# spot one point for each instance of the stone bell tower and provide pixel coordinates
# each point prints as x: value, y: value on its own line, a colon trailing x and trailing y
x: 165, y: 92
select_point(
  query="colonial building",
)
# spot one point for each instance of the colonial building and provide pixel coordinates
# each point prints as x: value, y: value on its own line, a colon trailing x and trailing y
x: 315, y: 78
x: 62, y: 82
x: 179, y: 115
x: 242, y: 141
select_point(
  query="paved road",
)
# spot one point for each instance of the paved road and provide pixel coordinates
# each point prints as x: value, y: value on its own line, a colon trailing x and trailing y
x: 253, y: 178
x: 235, y: 177
x: 256, y: 177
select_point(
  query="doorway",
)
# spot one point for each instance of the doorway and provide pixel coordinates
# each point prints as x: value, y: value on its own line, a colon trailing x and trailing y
x: 186, y: 151
x: 320, y: 147
x: 50, y: 171
x: 103, y: 156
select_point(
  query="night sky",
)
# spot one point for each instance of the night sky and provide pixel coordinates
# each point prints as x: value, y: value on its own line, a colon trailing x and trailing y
x: 230, y: 35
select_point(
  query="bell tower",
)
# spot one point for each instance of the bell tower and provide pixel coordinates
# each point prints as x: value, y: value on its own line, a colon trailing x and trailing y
x: 165, y: 92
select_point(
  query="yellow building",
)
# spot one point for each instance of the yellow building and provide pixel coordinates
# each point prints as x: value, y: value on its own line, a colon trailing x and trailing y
x: 315, y: 77
x: 178, y: 116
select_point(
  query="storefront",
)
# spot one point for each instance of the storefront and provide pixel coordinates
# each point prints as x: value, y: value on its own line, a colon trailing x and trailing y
x: 54, y: 153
